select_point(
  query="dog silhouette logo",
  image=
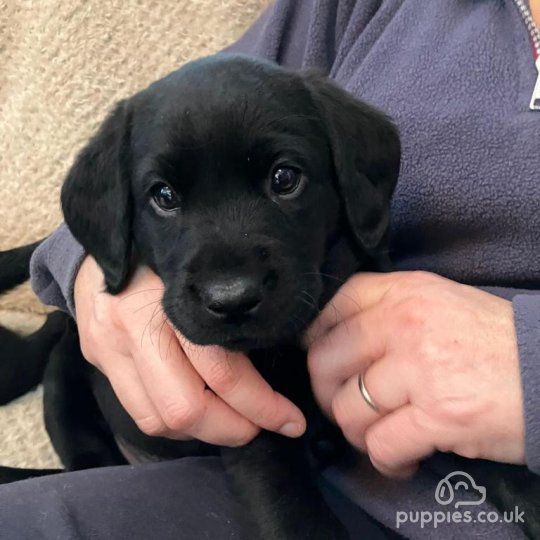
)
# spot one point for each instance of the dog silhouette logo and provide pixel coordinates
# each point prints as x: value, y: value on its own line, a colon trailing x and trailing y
x: 449, y: 489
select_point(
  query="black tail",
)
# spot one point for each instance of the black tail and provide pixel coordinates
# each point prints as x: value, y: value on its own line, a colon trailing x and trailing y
x: 14, y: 266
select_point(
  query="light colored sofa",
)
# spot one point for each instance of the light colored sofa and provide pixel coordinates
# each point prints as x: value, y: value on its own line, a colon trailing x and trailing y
x: 62, y: 67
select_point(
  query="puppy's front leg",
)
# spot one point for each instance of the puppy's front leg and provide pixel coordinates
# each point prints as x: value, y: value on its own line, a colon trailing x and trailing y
x: 273, y: 480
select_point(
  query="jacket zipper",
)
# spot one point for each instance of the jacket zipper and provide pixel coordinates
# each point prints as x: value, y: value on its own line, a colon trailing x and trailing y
x: 534, y: 34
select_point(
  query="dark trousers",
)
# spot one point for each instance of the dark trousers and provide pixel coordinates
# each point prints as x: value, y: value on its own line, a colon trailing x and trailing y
x: 186, y: 499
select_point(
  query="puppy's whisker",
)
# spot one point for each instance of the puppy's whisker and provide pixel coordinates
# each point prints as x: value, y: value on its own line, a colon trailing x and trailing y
x: 148, y: 327
x: 159, y: 336
x: 147, y: 305
x: 157, y: 311
x: 140, y: 292
x: 310, y: 297
x: 338, y: 317
x: 309, y: 302
x: 330, y: 303
x: 353, y: 300
x: 322, y: 274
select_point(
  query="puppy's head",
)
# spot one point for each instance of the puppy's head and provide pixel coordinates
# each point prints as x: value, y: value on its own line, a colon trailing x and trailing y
x: 235, y: 181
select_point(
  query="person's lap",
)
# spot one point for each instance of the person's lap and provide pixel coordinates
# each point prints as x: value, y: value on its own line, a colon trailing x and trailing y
x: 183, y: 499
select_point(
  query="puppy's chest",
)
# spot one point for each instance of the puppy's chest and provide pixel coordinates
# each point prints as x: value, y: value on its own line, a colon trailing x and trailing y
x: 285, y: 369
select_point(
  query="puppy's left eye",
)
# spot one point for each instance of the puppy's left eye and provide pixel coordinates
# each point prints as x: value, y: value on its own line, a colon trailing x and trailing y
x: 164, y: 197
x: 286, y: 180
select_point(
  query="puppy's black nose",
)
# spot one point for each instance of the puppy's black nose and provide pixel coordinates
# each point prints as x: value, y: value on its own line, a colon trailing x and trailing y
x: 232, y: 298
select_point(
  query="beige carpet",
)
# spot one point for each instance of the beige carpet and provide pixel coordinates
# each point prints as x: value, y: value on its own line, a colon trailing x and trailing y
x: 62, y: 66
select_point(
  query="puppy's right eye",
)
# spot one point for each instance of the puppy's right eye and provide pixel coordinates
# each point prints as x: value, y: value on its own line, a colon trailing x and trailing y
x: 164, y: 197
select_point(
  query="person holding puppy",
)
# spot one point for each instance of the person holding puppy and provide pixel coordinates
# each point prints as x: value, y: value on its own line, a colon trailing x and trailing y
x: 441, y: 355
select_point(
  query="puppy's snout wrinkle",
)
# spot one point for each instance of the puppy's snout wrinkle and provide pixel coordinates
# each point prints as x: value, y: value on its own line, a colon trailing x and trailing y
x: 232, y: 298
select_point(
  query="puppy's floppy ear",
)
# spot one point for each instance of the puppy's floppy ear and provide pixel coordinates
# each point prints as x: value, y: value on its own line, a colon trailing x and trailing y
x: 366, y: 151
x: 96, y: 198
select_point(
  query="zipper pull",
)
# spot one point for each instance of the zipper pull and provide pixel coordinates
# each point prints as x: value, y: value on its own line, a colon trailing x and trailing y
x: 535, y: 99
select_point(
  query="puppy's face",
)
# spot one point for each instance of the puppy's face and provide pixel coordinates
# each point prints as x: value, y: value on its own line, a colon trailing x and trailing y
x: 235, y: 202
x: 227, y: 179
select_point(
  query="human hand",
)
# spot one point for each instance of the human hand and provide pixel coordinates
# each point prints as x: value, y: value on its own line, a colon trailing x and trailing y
x: 170, y: 387
x: 439, y: 360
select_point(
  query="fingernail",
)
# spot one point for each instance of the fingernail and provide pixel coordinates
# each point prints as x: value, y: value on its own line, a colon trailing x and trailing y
x: 292, y: 429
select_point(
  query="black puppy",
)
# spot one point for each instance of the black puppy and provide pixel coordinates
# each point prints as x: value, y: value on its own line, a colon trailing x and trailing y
x: 253, y: 192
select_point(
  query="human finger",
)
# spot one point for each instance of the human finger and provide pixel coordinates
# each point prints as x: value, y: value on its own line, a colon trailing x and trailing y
x: 234, y: 379
x: 181, y: 396
x: 359, y: 293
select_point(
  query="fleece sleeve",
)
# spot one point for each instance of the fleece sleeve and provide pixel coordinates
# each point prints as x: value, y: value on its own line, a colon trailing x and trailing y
x: 53, y: 269
x: 527, y: 320
x: 294, y: 34
x: 526, y: 307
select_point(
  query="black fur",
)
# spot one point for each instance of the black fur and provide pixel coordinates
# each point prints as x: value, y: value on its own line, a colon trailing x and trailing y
x: 15, y: 266
x: 102, y: 205
x: 23, y: 359
x: 214, y: 131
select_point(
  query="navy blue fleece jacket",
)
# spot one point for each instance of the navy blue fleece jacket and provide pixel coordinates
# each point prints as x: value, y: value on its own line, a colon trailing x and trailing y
x: 457, y: 76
